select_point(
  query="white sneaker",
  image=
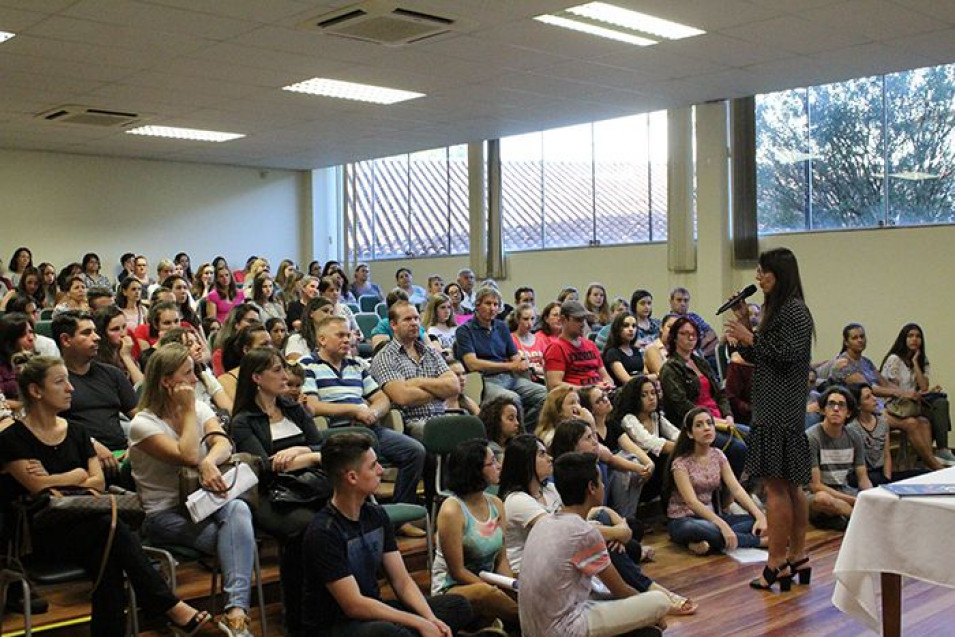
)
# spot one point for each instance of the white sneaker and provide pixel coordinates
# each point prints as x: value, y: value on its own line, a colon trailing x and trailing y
x: 946, y: 457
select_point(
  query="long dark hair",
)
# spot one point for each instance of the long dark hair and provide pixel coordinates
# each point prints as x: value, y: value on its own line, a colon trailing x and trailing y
x: 845, y: 333
x: 230, y: 292
x: 783, y: 265
x: 682, y: 448
x: 615, y: 339
x: 13, y: 327
x: 16, y: 253
x: 307, y: 329
x: 234, y: 349
x: 186, y: 272
x: 629, y: 399
x: 491, y: 413
x: 466, y: 467
x: 520, y: 465
x: 107, y: 353
x: 566, y: 436
x: 544, y: 327
x: 37, y: 295
x: 255, y: 361
x: 901, y: 349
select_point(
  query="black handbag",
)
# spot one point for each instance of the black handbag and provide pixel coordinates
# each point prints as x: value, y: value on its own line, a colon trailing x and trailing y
x: 309, y: 488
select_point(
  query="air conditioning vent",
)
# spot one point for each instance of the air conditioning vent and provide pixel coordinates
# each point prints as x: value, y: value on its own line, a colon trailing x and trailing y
x: 383, y: 22
x: 86, y: 116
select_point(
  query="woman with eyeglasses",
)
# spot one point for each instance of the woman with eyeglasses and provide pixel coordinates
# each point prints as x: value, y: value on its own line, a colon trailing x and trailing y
x: 471, y: 535
x: 779, y: 453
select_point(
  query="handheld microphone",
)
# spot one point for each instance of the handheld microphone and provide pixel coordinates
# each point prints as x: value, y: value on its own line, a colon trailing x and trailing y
x: 742, y: 295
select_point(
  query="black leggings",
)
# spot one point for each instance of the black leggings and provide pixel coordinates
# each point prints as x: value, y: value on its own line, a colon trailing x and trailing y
x: 83, y: 543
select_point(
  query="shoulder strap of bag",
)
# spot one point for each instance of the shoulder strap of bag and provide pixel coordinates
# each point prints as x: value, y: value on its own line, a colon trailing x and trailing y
x: 109, y: 542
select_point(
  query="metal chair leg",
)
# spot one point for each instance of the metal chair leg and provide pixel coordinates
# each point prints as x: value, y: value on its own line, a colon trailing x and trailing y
x: 261, y: 592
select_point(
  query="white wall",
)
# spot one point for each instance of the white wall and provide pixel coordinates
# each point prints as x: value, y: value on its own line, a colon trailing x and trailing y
x: 61, y: 206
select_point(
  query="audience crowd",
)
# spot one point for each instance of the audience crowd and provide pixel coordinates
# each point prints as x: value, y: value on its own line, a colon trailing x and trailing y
x: 598, y: 417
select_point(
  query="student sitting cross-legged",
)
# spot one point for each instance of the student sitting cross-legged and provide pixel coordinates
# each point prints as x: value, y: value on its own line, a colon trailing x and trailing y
x: 562, y: 555
x: 345, y: 546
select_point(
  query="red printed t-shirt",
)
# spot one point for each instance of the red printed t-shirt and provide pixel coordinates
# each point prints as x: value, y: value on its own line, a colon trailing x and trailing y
x: 580, y: 363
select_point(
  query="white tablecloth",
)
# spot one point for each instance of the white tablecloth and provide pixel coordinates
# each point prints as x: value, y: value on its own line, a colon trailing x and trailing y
x: 910, y: 536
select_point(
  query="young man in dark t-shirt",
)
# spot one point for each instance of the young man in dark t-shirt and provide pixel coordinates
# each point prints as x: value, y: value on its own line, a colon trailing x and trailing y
x: 100, y: 391
x: 346, y: 545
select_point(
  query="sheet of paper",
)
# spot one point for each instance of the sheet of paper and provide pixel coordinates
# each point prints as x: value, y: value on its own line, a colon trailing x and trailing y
x: 749, y: 556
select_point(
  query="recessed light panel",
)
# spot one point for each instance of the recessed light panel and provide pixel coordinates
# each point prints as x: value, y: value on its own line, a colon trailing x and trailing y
x: 610, y: 21
x: 593, y: 29
x: 351, y: 91
x: 5, y: 35
x: 193, y: 134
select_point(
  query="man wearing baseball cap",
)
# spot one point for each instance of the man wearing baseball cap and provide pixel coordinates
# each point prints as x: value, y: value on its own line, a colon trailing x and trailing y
x: 573, y: 358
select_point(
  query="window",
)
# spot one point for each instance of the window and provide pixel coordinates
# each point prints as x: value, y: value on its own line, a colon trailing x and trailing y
x: 583, y: 185
x: 870, y: 152
x: 408, y: 205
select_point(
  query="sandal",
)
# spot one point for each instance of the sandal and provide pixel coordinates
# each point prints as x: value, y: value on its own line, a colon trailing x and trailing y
x: 647, y: 554
x: 192, y: 626
x: 771, y: 576
x: 804, y: 574
x: 699, y: 548
x: 680, y: 605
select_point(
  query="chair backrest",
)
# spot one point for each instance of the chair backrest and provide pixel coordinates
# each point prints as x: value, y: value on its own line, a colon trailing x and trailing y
x: 46, y: 315
x: 44, y: 328
x: 474, y: 386
x: 366, y: 322
x: 367, y: 302
x: 381, y: 310
x: 354, y: 307
x: 443, y: 433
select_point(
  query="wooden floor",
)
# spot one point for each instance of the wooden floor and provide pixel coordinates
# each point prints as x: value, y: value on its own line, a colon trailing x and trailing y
x: 727, y: 605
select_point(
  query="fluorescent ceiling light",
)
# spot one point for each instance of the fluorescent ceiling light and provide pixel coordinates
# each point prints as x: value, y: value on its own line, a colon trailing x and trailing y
x: 593, y: 29
x: 5, y: 35
x: 634, y: 20
x: 617, y: 23
x: 184, y: 133
x: 351, y: 91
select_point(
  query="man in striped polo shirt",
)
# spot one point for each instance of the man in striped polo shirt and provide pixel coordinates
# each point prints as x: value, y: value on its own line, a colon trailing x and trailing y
x: 342, y: 389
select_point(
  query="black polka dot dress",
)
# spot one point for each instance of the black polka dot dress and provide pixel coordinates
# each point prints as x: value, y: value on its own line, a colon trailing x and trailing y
x: 777, y: 444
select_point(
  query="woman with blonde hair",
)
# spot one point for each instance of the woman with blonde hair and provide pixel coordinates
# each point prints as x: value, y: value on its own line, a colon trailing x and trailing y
x: 173, y: 429
x: 562, y: 403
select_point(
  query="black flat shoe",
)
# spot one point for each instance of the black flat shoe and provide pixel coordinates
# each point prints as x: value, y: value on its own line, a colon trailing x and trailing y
x: 38, y: 605
x: 802, y: 575
x: 771, y: 576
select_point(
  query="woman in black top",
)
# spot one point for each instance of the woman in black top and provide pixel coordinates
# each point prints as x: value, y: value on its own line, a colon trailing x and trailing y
x: 621, y: 356
x: 282, y: 433
x: 44, y: 450
x: 778, y: 449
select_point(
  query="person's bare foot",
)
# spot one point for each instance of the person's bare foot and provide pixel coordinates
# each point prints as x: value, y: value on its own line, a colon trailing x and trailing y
x: 699, y: 548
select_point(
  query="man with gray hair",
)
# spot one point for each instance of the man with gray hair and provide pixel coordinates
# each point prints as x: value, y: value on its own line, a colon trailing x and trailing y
x: 466, y: 281
x: 484, y: 345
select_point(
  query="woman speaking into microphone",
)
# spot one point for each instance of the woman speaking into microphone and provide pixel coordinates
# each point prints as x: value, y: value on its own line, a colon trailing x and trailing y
x: 778, y: 451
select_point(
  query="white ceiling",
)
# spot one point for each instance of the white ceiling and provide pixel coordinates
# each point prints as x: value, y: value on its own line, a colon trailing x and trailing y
x: 219, y: 64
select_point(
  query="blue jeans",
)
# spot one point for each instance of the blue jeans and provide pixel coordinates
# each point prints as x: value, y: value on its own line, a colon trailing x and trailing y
x: 408, y: 455
x: 694, y: 529
x: 529, y: 394
x: 628, y: 562
x: 227, y: 533
x: 623, y: 489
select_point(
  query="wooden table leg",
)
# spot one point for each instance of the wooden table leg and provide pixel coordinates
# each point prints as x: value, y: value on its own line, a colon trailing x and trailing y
x: 891, y: 605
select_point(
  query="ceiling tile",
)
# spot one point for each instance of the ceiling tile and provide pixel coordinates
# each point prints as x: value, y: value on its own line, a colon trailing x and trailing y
x: 797, y: 35
x: 875, y: 19
x: 159, y: 19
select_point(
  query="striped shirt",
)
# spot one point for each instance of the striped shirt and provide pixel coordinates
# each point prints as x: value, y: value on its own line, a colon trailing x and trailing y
x: 352, y: 384
x: 835, y: 457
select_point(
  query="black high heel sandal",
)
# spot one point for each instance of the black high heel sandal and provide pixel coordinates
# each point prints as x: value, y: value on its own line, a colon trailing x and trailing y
x: 803, y: 575
x: 192, y: 626
x: 771, y: 576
